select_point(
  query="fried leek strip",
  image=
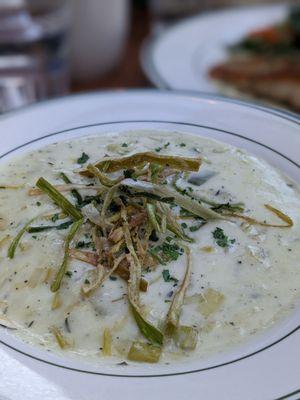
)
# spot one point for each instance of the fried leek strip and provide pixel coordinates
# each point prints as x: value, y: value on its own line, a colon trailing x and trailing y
x: 12, y: 248
x: 59, y: 199
x: 166, y: 192
x: 285, y: 218
x: 176, y: 162
x: 174, y: 312
x: 135, y: 268
x: 149, y: 331
x: 102, y: 177
x: 62, y: 270
x: 102, y: 277
x: 107, y: 200
x: 66, y: 188
x: 151, y: 210
x: 171, y: 223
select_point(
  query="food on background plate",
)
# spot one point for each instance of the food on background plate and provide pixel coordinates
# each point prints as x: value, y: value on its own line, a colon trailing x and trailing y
x: 145, y: 247
x: 265, y: 64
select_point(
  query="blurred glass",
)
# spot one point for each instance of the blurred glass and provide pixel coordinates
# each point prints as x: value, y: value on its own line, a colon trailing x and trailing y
x: 33, y: 51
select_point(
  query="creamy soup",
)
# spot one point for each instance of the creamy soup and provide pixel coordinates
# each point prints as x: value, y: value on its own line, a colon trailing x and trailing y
x: 182, y: 250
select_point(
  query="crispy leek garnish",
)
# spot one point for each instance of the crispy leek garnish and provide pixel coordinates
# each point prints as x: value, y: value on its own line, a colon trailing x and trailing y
x: 151, y: 210
x: 149, y: 331
x: 176, y: 162
x: 217, y: 207
x: 77, y: 196
x: 285, y: 218
x: 135, y: 268
x: 185, y: 202
x: 171, y: 223
x: 174, y: 312
x: 66, y: 188
x: 87, y: 289
x: 15, y: 242
x: 59, y: 199
x: 107, y: 200
x: 102, y: 177
x: 62, y: 270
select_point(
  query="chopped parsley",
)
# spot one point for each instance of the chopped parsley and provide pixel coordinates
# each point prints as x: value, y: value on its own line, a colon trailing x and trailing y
x: 167, y: 277
x: 38, y: 203
x: 124, y: 144
x: 69, y: 274
x: 55, y: 217
x: 64, y: 225
x: 195, y: 228
x: 158, y: 149
x: 182, y: 145
x: 222, y: 240
x: 166, y: 252
x: 81, y: 244
x: 83, y: 158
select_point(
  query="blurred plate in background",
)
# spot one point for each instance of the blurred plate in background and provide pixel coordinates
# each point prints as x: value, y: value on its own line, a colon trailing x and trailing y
x: 181, y: 57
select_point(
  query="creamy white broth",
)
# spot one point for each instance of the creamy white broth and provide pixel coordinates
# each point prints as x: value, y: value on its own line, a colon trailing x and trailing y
x: 258, y: 274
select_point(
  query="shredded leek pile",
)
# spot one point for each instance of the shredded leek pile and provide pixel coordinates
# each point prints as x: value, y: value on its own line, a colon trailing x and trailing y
x: 135, y: 219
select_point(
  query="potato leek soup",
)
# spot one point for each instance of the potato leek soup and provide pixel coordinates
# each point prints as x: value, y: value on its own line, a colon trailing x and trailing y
x: 145, y: 247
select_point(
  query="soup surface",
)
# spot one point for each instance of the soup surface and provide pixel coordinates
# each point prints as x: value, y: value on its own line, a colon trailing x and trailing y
x: 159, y: 261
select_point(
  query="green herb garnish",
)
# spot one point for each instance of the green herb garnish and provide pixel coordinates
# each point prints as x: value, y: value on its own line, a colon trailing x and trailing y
x: 83, y: 158
x: 55, y: 217
x: 167, y: 277
x: 81, y: 244
x: 35, y: 229
x: 222, y: 240
x: 77, y: 196
x: 166, y: 252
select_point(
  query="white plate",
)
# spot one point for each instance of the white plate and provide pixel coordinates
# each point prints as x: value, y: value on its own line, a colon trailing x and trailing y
x: 181, y: 56
x: 266, y: 368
